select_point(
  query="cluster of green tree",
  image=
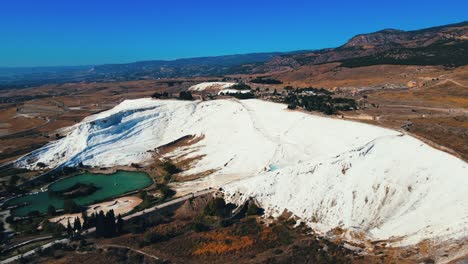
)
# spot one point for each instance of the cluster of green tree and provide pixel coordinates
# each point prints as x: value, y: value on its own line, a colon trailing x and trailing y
x: 160, y: 95
x: 3, y: 235
x: 107, y: 225
x: 321, y: 103
x: 55, y: 229
x: 218, y: 207
x: 172, y: 83
x: 242, y: 96
x: 51, y: 176
x: 451, y: 54
x: 185, y: 95
x: 215, y: 214
x: 315, y: 90
x: 240, y: 86
x: 150, y: 200
x: 169, y: 169
x: 165, y: 191
x: 26, y: 226
x: 11, y: 186
x: 253, y: 209
x: 70, y: 207
x: 266, y: 81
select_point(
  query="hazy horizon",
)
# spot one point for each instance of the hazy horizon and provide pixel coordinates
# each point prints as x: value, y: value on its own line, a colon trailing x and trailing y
x: 54, y: 33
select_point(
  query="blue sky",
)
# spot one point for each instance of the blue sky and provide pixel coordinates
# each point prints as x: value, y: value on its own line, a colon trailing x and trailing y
x: 83, y: 32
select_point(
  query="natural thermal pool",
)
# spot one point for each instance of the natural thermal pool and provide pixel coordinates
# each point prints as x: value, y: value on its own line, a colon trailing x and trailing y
x: 108, y: 186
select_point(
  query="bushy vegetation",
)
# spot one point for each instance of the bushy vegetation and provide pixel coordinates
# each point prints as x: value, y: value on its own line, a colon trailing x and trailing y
x: 107, y: 225
x: 311, y: 89
x: 314, y: 99
x: 253, y: 209
x: 242, y: 96
x: 266, y: 81
x: 439, y: 53
x: 170, y: 167
x: 185, y: 95
x: 217, y: 207
x: 241, y: 86
x: 70, y: 207
x: 160, y: 95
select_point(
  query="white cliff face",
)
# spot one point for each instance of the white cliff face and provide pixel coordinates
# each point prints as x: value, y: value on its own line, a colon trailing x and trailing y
x: 329, y: 172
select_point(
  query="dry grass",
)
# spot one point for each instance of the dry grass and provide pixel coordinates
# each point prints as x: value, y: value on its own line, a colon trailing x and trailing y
x: 221, y: 242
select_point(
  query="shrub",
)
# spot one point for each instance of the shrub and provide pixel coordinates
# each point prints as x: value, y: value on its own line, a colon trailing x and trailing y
x: 170, y: 168
x: 41, y: 165
x: 69, y: 206
x: 242, y: 96
x: 200, y: 227
x: 241, y: 86
x: 160, y: 95
x: 253, y: 209
x: 185, y: 95
x: 266, y: 81
x: 216, y: 207
x: 51, y: 210
x: 292, y: 106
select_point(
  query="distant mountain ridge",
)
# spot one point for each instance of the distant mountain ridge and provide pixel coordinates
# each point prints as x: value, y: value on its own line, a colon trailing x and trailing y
x: 187, y: 67
x: 441, y: 45
x: 153, y: 69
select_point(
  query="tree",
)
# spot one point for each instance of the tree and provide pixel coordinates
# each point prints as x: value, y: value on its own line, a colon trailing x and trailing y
x: 120, y: 224
x: 266, y: 81
x: 69, y: 228
x: 13, y: 180
x: 100, y: 224
x: 41, y: 165
x: 51, y: 210
x: 110, y: 224
x: 292, y: 106
x: 77, y: 224
x: 216, y: 207
x: 241, y: 86
x: 252, y: 209
x: 84, y: 216
x: 170, y: 168
x: 69, y: 206
x: 185, y: 95
x: 160, y: 95
x: 106, y: 225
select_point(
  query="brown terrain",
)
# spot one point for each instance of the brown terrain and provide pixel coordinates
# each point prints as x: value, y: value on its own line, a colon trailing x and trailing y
x: 189, y: 234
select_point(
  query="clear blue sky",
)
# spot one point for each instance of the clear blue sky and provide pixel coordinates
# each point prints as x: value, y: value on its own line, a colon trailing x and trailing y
x: 81, y: 32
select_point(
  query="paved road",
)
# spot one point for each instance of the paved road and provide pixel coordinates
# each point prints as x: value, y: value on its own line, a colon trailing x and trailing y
x: 32, y: 252
x: 29, y: 242
x: 128, y: 217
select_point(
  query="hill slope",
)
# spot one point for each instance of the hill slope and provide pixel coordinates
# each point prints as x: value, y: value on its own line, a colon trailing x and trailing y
x: 331, y: 173
x: 443, y: 45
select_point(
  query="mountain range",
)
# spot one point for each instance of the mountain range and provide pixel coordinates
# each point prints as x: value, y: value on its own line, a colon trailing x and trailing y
x: 443, y: 45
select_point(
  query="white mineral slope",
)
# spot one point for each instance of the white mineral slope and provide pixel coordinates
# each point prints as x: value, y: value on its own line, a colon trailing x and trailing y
x: 394, y: 188
x: 242, y: 138
x: 329, y: 172
x: 211, y: 85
